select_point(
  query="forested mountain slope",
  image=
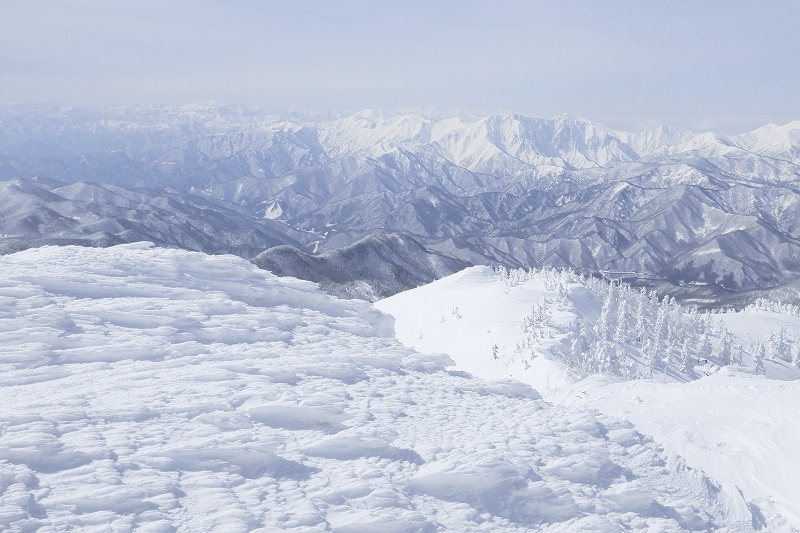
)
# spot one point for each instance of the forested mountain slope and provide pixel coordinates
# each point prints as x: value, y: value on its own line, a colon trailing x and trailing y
x: 508, y: 189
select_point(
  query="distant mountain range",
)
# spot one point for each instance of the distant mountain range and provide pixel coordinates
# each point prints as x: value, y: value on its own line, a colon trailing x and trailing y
x: 666, y: 207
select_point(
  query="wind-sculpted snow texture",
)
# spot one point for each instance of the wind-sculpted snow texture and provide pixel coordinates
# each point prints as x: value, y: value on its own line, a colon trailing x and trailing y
x: 161, y: 390
x: 721, y: 389
x: 506, y: 189
x: 738, y: 427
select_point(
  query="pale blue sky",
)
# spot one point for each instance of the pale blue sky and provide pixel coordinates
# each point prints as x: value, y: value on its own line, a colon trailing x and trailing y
x: 727, y: 66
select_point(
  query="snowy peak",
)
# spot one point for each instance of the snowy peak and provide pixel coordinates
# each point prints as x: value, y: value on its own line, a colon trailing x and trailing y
x: 564, y: 141
x: 644, y: 143
x: 374, y: 133
x: 469, y: 139
x: 772, y: 139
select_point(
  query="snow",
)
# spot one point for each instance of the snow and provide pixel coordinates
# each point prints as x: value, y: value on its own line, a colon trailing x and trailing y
x: 468, y: 313
x: 273, y: 211
x: 522, y: 191
x: 146, y: 389
x: 740, y: 428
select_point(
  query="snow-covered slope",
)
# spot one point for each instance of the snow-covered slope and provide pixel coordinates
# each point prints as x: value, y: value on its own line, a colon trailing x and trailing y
x: 504, y: 188
x: 476, y: 319
x: 727, y: 411
x: 373, y: 268
x: 147, y: 389
x: 36, y: 212
x: 737, y: 427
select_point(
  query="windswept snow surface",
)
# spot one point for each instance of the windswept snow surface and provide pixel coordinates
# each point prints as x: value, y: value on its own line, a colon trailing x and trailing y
x: 740, y: 427
x: 156, y: 390
x: 475, y: 318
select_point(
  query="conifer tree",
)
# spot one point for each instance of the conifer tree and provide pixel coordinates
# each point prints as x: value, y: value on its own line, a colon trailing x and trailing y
x: 687, y: 361
x: 562, y: 294
x: 796, y: 353
x: 780, y: 348
x: 705, y: 350
x: 606, y: 358
x: 668, y: 356
x: 758, y: 358
x: 586, y: 335
x: 738, y: 352
x: 621, y: 333
x: 657, y: 344
x: 605, y: 324
x: 726, y: 348
x: 642, y: 311
x: 651, y: 357
x: 576, y: 352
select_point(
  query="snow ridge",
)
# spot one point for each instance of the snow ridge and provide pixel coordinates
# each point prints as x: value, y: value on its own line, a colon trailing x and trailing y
x: 718, y: 388
x: 148, y: 389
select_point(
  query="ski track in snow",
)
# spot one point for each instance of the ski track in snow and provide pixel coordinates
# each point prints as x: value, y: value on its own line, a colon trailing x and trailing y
x: 159, y: 390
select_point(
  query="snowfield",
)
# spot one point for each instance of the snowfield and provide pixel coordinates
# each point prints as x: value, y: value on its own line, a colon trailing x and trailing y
x: 738, y: 425
x: 469, y: 313
x: 738, y: 428
x: 157, y: 390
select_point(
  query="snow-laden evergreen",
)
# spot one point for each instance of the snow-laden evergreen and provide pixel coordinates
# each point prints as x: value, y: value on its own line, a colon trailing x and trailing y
x: 639, y: 335
x: 763, y: 304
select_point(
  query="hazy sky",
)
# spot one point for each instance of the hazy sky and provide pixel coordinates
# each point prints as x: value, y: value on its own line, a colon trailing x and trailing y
x: 727, y: 66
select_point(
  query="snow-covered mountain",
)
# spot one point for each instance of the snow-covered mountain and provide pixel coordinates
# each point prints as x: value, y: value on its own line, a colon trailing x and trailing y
x: 666, y: 204
x: 151, y: 389
x: 719, y: 389
x: 38, y: 211
x: 373, y: 268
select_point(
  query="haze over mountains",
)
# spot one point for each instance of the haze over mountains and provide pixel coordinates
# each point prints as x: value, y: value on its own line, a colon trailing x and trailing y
x: 666, y: 205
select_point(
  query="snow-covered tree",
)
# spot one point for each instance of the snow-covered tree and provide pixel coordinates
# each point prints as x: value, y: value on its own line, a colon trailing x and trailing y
x: 779, y: 347
x: 642, y: 312
x: 651, y: 358
x: 738, y: 352
x: 796, y: 353
x: 726, y: 348
x: 705, y: 350
x: 687, y: 358
x: 759, y: 353
x: 561, y: 295
x: 576, y: 351
x: 606, y: 358
x: 636, y: 334
x: 608, y: 314
x: 622, y: 331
